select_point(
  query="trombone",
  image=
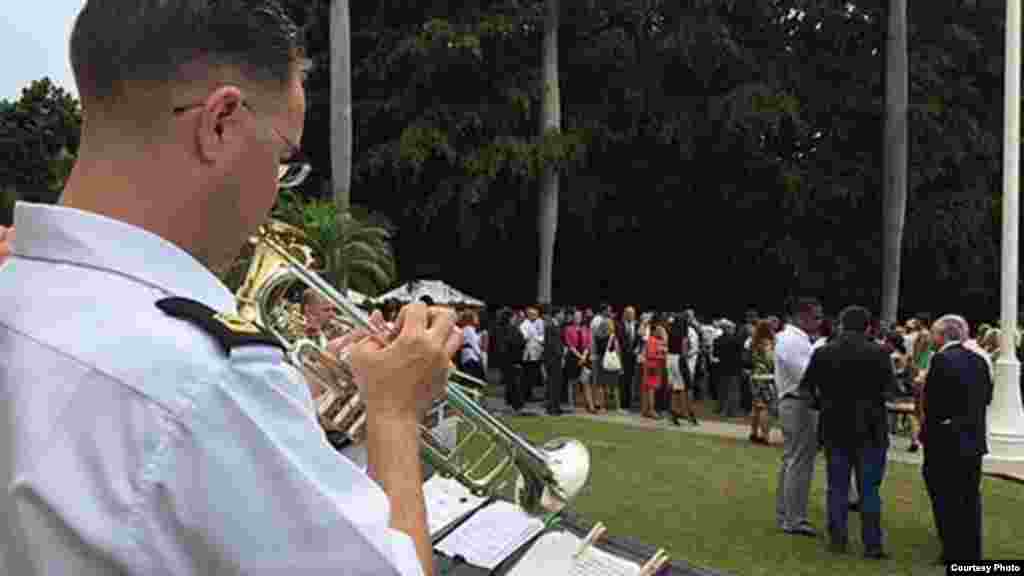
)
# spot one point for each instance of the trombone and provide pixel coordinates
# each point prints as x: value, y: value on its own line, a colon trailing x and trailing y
x: 548, y: 476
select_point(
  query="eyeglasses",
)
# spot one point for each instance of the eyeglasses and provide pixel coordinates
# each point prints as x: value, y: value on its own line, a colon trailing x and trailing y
x: 292, y: 171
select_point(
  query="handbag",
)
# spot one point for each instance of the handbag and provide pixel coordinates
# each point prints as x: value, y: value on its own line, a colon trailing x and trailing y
x: 611, y: 361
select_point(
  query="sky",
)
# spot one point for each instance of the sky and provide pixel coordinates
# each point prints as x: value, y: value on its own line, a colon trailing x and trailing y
x: 34, y: 41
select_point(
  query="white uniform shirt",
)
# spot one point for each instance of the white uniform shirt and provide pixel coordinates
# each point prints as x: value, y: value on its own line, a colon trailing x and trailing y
x: 132, y: 443
x: 693, y: 349
x: 533, y: 333
x: 792, y: 355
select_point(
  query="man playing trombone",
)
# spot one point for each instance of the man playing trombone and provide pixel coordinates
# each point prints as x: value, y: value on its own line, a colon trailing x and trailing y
x: 146, y: 428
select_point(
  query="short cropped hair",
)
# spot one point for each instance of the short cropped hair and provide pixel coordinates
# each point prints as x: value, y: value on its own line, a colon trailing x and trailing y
x: 114, y: 42
x: 855, y: 319
x: 953, y: 328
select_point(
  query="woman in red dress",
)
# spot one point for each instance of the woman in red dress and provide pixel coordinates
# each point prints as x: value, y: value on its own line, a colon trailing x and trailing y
x: 654, y: 369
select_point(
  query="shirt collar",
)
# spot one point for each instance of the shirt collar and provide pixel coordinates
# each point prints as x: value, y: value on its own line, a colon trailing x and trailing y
x: 950, y: 344
x: 799, y: 331
x: 70, y: 236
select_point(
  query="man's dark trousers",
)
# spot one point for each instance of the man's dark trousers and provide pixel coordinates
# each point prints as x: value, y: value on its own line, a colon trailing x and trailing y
x: 626, y: 381
x: 530, y: 379
x: 512, y: 379
x: 841, y: 461
x: 554, y: 385
x: 954, y: 485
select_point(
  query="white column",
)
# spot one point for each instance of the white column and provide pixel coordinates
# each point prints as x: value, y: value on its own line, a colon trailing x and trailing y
x: 1005, y: 415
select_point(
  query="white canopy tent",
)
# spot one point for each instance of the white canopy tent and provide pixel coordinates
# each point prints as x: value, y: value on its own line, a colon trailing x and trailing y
x: 436, y: 290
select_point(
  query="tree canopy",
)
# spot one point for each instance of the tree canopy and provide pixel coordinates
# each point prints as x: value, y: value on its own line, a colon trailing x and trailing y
x: 39, y: 136
x: 715, y: 154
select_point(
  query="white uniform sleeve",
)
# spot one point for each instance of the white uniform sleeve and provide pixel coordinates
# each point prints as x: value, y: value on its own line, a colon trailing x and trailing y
x: 252, y: 487
x: 792, y: 357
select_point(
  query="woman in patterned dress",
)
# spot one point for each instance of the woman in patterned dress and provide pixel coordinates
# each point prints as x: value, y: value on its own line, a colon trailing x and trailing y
x: 762, y: 353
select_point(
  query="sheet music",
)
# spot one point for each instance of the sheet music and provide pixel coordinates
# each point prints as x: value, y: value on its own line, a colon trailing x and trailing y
x: 553, y: 552
x: 447, y: 501
x: 491, y: 535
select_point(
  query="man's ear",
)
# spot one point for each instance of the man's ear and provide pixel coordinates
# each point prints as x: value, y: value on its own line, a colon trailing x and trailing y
x: 220, y: 119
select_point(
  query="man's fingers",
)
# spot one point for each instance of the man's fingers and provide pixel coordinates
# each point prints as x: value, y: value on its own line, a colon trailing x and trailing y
x: 376, y: 318
x: 351, y: 337
x: 441, y: 320
x: 378, y: 323
x: 412, y: 319
x: 369, y: 344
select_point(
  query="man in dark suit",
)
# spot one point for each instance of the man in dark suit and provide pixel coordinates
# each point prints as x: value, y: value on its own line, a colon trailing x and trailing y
x: 511, y: 360
x: 847, y: 380
x: 554, y: 352
x: 628, y: 332
x: 729, y: 351
x: 957, y: 392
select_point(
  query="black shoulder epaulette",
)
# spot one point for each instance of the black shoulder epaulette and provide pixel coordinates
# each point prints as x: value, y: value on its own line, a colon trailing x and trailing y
x: 230, y: 330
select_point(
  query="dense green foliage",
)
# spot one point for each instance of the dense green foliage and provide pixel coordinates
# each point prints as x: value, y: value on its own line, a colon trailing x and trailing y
x: 38, y: 140
x: 719, y: 154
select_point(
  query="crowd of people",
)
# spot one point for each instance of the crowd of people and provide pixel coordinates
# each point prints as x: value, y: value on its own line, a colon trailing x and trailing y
x: 614, y: 362
x: 826, y: 382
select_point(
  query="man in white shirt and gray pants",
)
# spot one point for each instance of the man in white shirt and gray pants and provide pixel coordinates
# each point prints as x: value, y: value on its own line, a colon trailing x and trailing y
x: 793, y: 350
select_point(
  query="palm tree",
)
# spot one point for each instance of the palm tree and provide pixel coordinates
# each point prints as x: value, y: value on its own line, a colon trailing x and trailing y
x: 895, y: 146
x: 353, y: 250
x: 341, y: 105
x: 550, y: 120
x: 355, y: 246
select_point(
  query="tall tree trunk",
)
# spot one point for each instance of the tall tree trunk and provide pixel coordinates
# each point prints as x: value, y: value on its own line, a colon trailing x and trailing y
x: 895, y: 170
x: 550, y: 118
x: 341, y: 119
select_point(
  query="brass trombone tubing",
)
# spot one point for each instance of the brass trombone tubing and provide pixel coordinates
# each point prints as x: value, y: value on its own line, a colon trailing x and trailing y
x: 455, y: 393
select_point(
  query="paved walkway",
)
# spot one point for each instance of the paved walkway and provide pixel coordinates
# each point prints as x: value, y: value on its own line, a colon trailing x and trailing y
x: 1013, y: 471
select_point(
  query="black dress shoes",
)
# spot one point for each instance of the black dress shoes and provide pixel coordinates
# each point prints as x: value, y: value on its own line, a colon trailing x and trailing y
x: 802, y: 530
x: 876, y: 554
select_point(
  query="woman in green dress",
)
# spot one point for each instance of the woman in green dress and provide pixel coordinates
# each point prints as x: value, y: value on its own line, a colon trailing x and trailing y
x: 924, y: 348
x: 762, y: 354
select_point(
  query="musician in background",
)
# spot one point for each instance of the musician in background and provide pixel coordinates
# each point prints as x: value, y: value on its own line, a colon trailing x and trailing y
x: 471, y: 355
x: 317, y: 313
x: 176, y: 439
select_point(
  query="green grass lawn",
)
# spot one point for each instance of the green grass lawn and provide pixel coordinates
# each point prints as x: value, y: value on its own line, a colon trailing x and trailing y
x: 711, y: 501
